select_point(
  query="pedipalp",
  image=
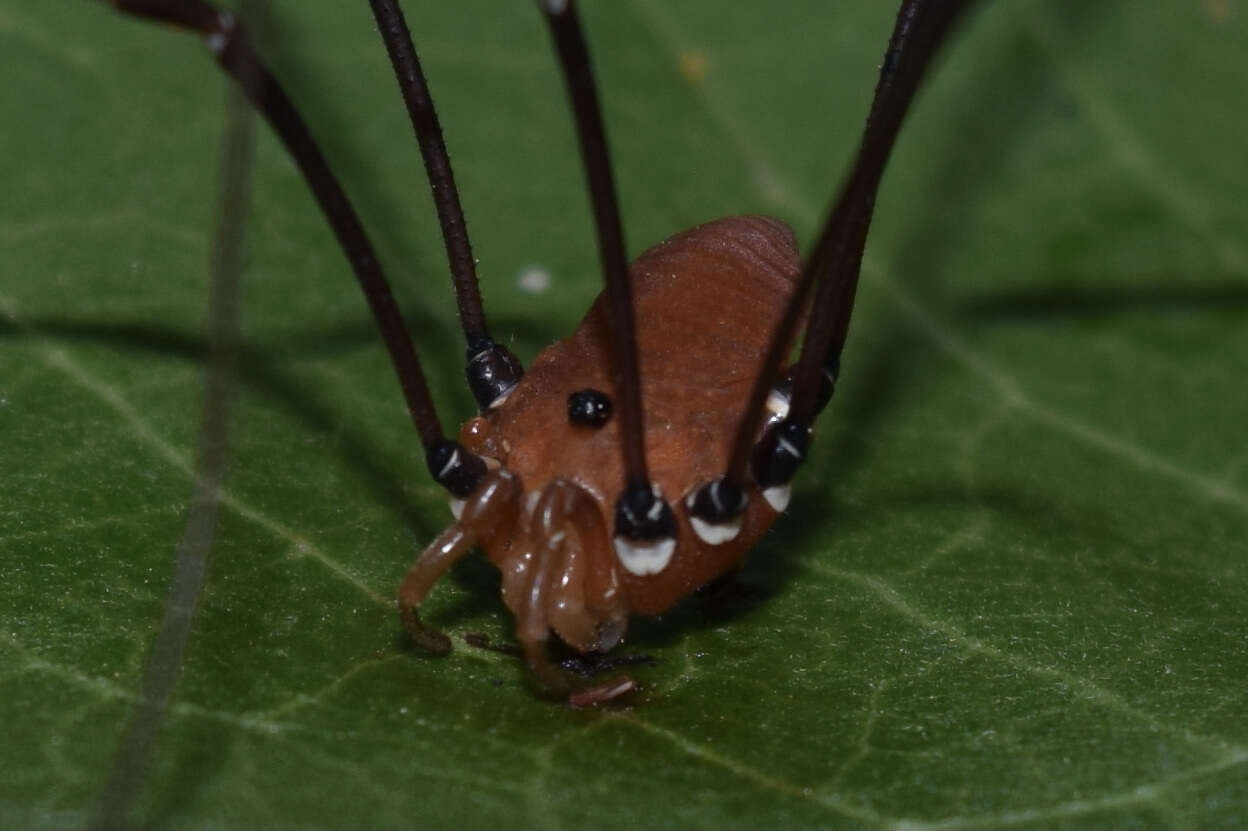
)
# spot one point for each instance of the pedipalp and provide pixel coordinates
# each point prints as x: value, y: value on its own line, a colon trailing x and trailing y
x: 493, y: 507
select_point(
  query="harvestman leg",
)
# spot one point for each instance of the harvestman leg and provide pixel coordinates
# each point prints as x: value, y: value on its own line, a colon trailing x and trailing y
x: 643, y: 518
x: 494, y: 507
x: 921, y: 28
x: 451, y: 465
x: 492, y: 369
x: 835, y: 263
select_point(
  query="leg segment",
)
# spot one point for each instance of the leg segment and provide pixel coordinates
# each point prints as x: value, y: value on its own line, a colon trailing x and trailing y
x: 643, y: 518
x: 451, y: 465
x: 492, y: 369
x: 920, y: 29
x: 492, y: 508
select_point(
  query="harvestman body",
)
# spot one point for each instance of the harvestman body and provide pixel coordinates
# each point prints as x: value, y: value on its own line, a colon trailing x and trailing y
x: 543, y: 514
x: 644, y: 455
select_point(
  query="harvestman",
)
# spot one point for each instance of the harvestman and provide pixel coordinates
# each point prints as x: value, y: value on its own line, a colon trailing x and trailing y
x: 635, y: 461
x: 643, y: 456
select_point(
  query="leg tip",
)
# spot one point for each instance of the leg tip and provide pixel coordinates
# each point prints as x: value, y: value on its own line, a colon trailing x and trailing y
x: 424, y: 637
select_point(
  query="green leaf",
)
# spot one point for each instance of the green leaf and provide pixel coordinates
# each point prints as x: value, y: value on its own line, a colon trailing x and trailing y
x: 1011, y: 590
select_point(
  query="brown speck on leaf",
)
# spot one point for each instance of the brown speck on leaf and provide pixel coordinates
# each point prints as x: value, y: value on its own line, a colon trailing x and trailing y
x: 1219, y: 11
x: 694, y: 66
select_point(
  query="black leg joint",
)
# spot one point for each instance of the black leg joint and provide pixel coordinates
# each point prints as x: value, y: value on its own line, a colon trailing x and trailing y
x: 455, y: 468
x: 779, y: 453
x: 589, y: 408
x: 718, y: 502
x: 643, y: 515
x: 492, y: 372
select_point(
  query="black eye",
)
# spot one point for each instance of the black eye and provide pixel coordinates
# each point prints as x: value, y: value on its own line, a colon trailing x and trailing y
x: 589, y: 408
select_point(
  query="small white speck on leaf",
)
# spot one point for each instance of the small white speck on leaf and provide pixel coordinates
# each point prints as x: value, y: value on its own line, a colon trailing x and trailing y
x: 533, y: 279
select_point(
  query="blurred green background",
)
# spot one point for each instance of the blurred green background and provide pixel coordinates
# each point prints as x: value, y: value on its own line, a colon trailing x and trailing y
x: 1011, y: 589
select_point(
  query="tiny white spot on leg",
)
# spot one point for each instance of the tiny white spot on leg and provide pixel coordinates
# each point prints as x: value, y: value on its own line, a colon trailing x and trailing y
x: 217, y: 40
x: 457, y: 507
x: 643, y: 558
x: 500, y: 400
x: 656, y: 507
x: 789, y: 448
x: 450, y: 464
x: 530, y: 502
x: 778, y: 497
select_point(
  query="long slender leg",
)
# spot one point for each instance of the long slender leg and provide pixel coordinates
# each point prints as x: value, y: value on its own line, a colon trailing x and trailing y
x: 645, y: 526
x: 921, y: 28
x: 835, y: 262
x: 163, y: 662
x: 451, y: 465
x: 492, y: 369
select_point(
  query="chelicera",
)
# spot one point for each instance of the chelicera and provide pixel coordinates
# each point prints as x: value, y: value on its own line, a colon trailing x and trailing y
x: 643, y: 456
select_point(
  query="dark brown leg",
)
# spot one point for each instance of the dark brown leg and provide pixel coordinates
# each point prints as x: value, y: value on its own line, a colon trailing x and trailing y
x: 450, y: 464
x: 921, y: 27
x: 492, y: 369
x: 636, y: 520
